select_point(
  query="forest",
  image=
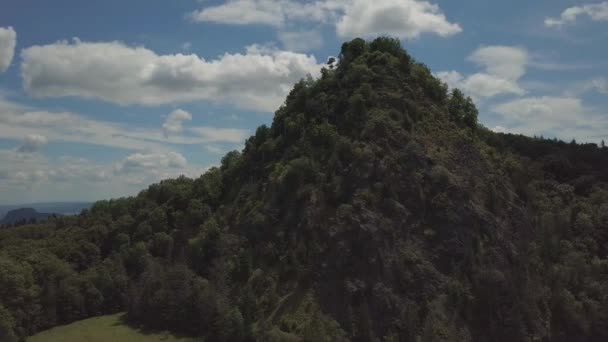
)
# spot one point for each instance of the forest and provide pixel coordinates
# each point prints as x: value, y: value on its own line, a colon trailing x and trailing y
x: 375, y: 207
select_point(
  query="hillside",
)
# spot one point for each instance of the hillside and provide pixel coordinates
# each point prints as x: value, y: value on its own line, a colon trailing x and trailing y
x: 375, y: 208
x: 24, y: 215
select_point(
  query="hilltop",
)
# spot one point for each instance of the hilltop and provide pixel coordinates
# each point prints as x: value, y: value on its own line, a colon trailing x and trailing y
x: 374, y: 208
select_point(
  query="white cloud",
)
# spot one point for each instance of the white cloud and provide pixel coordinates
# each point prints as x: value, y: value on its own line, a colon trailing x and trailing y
x: 452, y: 78
x: 480, y: 85
x: 503, y: 66
x: 401, y: 18
x: 33, y: 143
x: 564, y: 117
x: 268, y: 12
x: 242, y: 12
x: 18, y: 121
x: 152, y: 161
x: 301, y: 40
x: 25, y: 170
x: 8, y: 40
x: 597, y: 12
x: 545, y: 109
x: 145, y: 168
x: 174, y: 121
x: 259, y: 79
x: 507, y: 62
x: 405, y: 19
x: 34, y: 177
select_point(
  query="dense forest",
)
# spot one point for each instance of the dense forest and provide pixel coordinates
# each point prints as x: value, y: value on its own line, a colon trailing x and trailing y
x: 374, y: 208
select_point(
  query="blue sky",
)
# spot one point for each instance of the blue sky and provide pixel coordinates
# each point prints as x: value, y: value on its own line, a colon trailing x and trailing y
x: 100, y: 99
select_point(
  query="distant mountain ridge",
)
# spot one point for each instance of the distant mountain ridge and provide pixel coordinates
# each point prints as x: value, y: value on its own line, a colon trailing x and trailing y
x: 24, y: 215
x: 62, y: 208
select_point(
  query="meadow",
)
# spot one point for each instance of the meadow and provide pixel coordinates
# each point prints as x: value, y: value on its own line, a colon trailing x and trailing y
x: 103, y: 329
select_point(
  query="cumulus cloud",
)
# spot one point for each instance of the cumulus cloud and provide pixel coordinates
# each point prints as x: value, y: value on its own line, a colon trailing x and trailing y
x: 24, y: 176
x: 145, y: 166
x: 25, y: 170
x: 8, y: 40
x: 34, y: 176
x: 258, y: 79
x: 507, y: 62
x: 402, y: 18
x: 563, y: 117
x: 173, y: 123
x: 545, y: 109
x: 597, y: 12
x: 33, y: 143
x: 152, y: 161
x: 502, y: 67
x: 480, y: 85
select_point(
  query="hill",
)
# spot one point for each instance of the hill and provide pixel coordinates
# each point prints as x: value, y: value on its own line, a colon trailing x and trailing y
x: 102, y: 329
x: 60, y: 208
x: 374, y: 208
x: 24, y: 215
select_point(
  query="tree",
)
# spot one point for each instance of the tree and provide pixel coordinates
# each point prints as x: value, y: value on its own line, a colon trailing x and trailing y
x: 162, y: 245
x: 136, y: 258
x: 204, y: 247
x: 462, y: 109
x: 456, y: 104
x: 470, y: 114
x: 7, y: 326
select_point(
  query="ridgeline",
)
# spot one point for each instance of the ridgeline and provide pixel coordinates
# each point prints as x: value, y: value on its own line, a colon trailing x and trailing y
x: 375, y: 208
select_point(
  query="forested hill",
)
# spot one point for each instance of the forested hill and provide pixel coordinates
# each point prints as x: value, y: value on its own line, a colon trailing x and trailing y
x: 22, y: 216
x: 374, y: 208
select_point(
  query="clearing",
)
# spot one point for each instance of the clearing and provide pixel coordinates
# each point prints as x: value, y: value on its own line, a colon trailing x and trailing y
x: 103, y: 329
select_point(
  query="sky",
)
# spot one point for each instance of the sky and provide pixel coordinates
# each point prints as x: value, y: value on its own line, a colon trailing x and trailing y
x: 99, y: 99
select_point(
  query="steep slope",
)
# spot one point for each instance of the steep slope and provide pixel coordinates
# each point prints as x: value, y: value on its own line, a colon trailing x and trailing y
x: 374, y: 208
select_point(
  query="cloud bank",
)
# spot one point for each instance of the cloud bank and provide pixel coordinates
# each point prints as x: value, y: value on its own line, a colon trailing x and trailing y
x: 258, y: 79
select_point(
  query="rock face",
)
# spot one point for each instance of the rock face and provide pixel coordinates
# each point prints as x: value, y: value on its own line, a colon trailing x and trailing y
x: 23, y: 215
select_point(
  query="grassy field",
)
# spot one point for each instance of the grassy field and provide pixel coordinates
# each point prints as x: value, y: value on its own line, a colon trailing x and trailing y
x: 102, y: 329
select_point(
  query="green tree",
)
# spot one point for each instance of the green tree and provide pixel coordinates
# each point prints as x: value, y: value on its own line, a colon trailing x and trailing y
x: 7, y: 326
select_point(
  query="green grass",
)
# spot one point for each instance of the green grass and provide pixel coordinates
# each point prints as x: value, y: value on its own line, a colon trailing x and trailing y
x: 103, y: 329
